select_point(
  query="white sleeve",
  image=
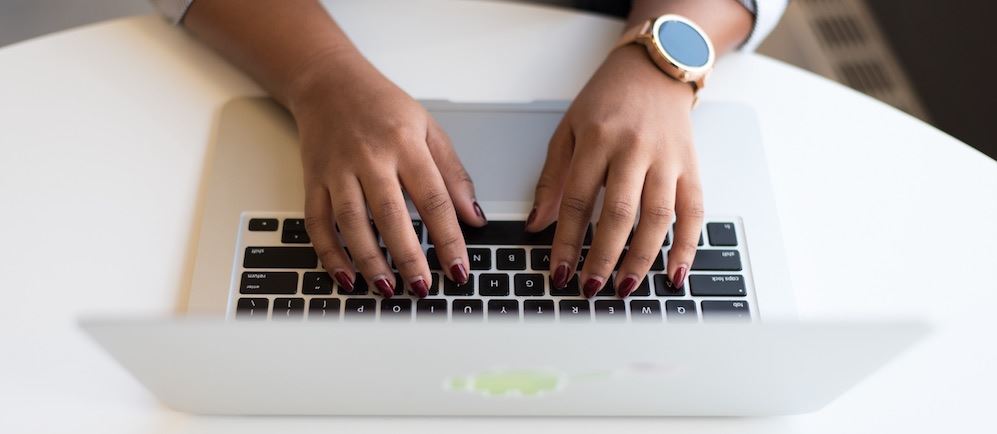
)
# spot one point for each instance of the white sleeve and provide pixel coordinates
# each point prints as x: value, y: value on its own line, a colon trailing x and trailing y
x: 767, y: 14
x: 172, y: 10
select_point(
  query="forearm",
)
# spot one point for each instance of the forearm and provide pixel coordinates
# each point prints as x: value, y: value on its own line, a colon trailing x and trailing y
x: 725, y: 21
x: 279, y: 44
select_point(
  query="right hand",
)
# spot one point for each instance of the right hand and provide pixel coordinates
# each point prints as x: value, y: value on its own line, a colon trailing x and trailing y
x: 364, y: 140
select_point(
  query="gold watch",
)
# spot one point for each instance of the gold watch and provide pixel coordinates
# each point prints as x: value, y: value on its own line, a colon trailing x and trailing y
x: 679, y: 47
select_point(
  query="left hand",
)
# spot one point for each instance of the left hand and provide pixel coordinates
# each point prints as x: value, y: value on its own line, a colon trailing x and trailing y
x: 630, y: 130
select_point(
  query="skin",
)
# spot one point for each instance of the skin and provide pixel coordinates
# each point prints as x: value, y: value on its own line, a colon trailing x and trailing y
x: 365, y: 141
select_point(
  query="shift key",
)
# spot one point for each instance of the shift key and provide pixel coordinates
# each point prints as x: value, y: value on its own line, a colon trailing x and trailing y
x: 280, y: 257
x: 717, y: 260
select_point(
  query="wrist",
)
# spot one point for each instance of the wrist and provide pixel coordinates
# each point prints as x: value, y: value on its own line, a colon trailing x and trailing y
x: 328, y: 72
x: 642, y: 70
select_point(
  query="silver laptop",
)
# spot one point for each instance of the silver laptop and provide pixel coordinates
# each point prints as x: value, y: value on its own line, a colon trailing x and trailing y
x: 270, y: 333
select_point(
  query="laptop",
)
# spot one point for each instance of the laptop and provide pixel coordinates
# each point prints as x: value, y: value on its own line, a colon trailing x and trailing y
x: 266, y: 330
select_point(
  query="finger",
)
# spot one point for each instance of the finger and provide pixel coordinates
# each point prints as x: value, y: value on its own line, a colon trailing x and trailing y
x: 586, y: 174
x: 350, y: 211
x: 616, y: 220
x: 455, y: 177
x: 550, y: 185
x: 321, y: 230
x: 391, y: 216
x: 688, y: 223
x: 657, y: 209
x: 425, y: 186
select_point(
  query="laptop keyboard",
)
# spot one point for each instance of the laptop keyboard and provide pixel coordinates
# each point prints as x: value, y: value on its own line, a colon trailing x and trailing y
x: 278, y: 277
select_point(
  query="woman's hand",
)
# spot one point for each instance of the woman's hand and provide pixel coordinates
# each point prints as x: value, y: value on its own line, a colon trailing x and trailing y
x: 629, y: 129
x: 363, y: 141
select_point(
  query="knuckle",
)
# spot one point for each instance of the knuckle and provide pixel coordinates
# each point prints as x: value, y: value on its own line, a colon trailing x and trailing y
x: 436, y: 203
x: 315, y: 223
x: 408, y: 259
x: 659, y: 214
x: 350, y: 213
x: 619, y: 210
x: 369, y: 261
x: 640, y: 259
x: 600, y: 261
x: 389, y: 209
x: 447, y: 241
x: 575, y: 208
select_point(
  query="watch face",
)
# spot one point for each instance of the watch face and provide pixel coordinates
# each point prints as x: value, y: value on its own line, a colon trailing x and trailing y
x: 684, y: 43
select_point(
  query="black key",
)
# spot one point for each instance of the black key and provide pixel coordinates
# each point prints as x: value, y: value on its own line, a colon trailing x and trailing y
x: 725, y: 311
x: 269, y: 282
x: 610, y: 310
x: 721, y: 234
x: 431, y: 309
x: 316, y: 283
x: 503, y: 310
x: 529, y: 284
x: 251, y: 308
x: 510, y: 259
x: 493, y: 284
x: 360, y: 308
x: 434, y: 286
x: 294, y: 225
x: 668, y: 240
x: 433, y: 260
x: 540, y: 259
x: 659, y: 263
x: 323, y: 309
x: 468, y: 309
x: 575, y: 309
x: 717, y: 260
x: 607, y: 289
x: 581, y: 259
x: 396, y: 309
x: 419, y: 229
x: 280, y: 257
x: 700, y: 238
x: 359, y: 286
x: 663, y: 287
x: 452, y: 288
x: 570, y: 289
x: 294, y: 232
x: 645, y: 310
x: 680, y: 311
x: 481, y: 259
x: 512, y: 233
x: 713, y: 285
x: 642, y: 290
x: 288, y: 309
x: 538, y: 310
x: 263, y: 225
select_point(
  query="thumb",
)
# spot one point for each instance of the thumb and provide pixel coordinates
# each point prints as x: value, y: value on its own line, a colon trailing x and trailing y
x: 550, y: 185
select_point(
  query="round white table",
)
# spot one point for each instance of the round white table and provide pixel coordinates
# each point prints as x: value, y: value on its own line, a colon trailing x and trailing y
x: 103, y: 135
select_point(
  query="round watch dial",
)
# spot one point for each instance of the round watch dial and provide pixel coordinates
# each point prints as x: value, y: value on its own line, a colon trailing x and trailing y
x: 684, y: 43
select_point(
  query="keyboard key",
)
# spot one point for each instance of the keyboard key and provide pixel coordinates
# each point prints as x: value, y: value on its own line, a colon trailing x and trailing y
x: 717, y: 285
x: 503, y: 310
x: 680, y: 311
x: 659, y: 263
x: 607, y: 289
x: 288, y: 309
x: 359, y: 286
x: 721, y: 234
x: 263, y: 225
x: 575, y: 310
x: 419, y: 229
x: 663, y: 287
x: 571, y: 289
x: 511, y: 233
x: 645, y: 310
x: 434, y: 286
x: 540, y: 259
x: 610, y: 310
x: 431, y: 309
x: 269, y: 282
x: 396, y: 309
x: 642, y: 290
x: 468, y: 309
x: 323, y: 309
x: 538, y: 310
x: 529, y: 284
x: 294, y: 225
x: 493, y: 284
x: 316, y: 283
x: 717, y: 260
x: 360, y: 308
x: 481, y: 259
x: 510, y: 259
x: 280, y: 257
x: 452, y: 288
x: 252, y: 308
x: 581, y: 259
x: 700, y: 238
x: 294, y: 232
x: 725, y: 311
x: 433, y: 260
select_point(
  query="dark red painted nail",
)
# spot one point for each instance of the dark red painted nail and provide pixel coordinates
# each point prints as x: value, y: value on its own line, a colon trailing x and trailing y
x: 561, y: 276
x: 420, y: 288
x: 479, y: 212
x: 626, y: 287
x: 678, y: 280
x: 384, y: 287
x: 459, y: 273
x: 344, y: 281
x: 592, y: 286
x: 533, y: 216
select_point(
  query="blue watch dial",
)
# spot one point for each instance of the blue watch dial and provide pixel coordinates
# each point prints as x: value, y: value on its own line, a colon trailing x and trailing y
x: 684, y: 44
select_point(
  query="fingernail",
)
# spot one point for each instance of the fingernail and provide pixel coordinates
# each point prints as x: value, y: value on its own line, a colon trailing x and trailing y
x: 561, y: 276
x: 344, y: 281
x: 420, y: 288
x: 678, y: 280
x: 384, y: 287
x: 533, y: 216
x: 458, y: 273
x: 592, y: 286
x: 479, y: 212
x: 627, y: 286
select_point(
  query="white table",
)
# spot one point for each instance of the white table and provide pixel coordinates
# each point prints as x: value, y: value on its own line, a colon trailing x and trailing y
x: 103, y: 132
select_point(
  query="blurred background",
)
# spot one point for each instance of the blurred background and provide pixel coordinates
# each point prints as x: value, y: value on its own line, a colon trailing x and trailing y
x: 933, y: 59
